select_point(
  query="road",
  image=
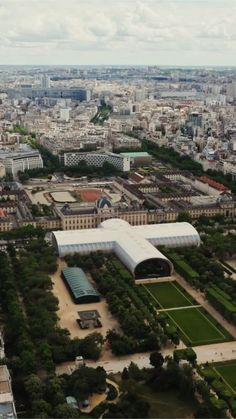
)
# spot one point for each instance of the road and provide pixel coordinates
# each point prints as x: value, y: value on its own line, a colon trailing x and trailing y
x: 208, y: 353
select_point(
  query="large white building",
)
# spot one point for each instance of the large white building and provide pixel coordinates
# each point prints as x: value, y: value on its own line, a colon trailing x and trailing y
x: 20, y: 161
x: 134, y: 245
x: 121, y: 163
x: 45, y: 81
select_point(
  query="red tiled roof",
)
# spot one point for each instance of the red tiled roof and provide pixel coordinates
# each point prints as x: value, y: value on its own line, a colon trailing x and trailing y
x: 213, y: 184
x: 3, y: 212
x: 136, y: 177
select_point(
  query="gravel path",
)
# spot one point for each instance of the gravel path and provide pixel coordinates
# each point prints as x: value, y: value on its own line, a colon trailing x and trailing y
x: 207, y: 353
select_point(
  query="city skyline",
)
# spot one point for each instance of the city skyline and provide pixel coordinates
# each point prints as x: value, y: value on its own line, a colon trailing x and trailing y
x: 175, y: 32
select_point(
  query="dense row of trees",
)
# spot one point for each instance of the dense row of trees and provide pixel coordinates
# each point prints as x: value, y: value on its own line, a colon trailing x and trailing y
x: 223, y: 302
x: 34, y: 343
x: 170, y: 156
x: 220, y: 245
x: 23, y: 233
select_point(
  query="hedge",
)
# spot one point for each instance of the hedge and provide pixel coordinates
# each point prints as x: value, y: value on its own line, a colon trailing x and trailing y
x: 226, y: 307
x: 232, y: 404
x: 222, y: 390
x: 209, y: 374
x: 183, y: 268
x: 218, y: 404
x: 221, y: 292
x: 188, y: 353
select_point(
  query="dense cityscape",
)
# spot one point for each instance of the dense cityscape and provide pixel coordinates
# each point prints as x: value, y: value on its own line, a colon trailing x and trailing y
x: 117, y: 242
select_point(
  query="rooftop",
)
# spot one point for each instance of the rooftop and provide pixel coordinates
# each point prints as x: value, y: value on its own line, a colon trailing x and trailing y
x: 136, y: 154
x: 134, y: 243
x: 213, y: 184
x: 78, y: 282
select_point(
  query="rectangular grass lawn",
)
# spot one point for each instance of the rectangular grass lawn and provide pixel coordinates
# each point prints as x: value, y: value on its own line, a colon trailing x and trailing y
x: 169, y: 295
x: 228, y: 372
x: 196, y: 327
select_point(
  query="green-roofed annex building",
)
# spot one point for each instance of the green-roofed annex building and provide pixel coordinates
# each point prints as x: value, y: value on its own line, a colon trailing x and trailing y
x: 79, y: 287
x: 138, y: 158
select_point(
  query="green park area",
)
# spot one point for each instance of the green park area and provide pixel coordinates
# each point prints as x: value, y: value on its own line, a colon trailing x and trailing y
x: 169, y: 295
x: 165, y: 404
x: 227, y: 372
x: 197, y: 327
x: 194, y: 325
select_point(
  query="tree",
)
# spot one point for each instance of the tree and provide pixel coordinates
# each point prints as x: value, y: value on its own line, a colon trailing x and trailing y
x: 34, y: 387
x: 184, y: 217
x: 65, y: 411
x: 86, y: 380
x: 156, y: 360
x: 125, y: 374
x: 41, y: 409
x: 90, y: 347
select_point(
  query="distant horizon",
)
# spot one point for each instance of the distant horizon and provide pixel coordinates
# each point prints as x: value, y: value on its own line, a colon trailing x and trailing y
x: 203, y: 66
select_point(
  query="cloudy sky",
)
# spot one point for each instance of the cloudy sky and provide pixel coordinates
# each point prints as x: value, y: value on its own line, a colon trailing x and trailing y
x: 161, y: 32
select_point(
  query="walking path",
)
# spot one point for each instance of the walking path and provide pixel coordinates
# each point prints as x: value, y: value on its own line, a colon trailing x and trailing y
x: 156, y: 280
x: 178, y: 308
x: 232, y: 263
x: 201, y: 299
x: 218, y: 352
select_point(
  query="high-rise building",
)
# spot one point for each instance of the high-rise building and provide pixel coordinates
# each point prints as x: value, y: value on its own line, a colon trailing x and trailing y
x: 231, y: 91
x: 45, y: 81
x: 65, y: 114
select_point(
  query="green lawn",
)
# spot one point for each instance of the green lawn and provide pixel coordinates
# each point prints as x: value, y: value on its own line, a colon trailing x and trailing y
x: 166, y: 404
x: 228, y: 373
x: 169, y: 295
x: 196, y: 327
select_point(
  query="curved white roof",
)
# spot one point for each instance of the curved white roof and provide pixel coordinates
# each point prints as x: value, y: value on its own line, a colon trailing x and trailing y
x: 132, y: 244
x: 170, y: 234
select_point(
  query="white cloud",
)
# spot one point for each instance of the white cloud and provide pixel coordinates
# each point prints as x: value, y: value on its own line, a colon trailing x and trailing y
x: 124, y: 31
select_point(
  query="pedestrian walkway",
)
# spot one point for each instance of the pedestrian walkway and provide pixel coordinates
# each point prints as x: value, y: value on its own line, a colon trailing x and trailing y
x: 179, y: 308
x: 217, y: 352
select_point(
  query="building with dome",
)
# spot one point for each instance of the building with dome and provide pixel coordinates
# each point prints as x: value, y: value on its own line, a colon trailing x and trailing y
x: 133, y: 245
x: 103, y: 202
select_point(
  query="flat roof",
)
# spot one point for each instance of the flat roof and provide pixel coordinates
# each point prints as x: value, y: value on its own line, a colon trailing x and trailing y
x: 136, y: 154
